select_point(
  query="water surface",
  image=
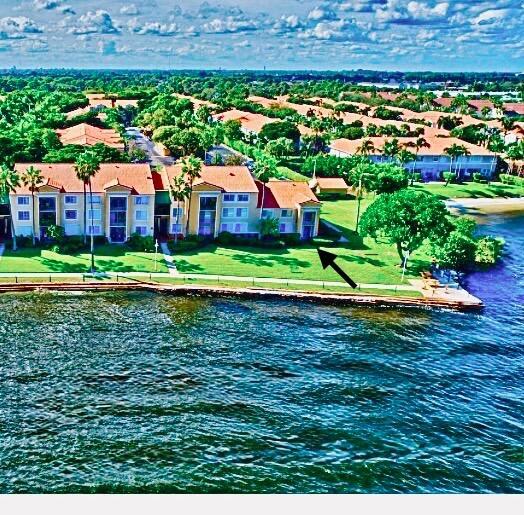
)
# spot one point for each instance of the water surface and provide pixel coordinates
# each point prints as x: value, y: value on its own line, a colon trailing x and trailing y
x: 133, y: 392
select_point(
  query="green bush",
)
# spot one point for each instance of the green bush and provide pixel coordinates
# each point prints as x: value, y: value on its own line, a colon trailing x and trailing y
x: 225, y: 238
x: 488, y: 251
x: 22, y: 242
x: 449, y: 177
x: 292, y: 239
x: 478, y: 177
x: 417, y: 177
x: 192, y: 242
x: 505, y: 178
x: 139, y: 243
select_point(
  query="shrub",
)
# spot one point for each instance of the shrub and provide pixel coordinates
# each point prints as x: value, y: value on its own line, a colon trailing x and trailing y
x: 417, y: 177
x: 72, y: 244
x: 225, y: 238
x: 22, y: 242
x: 292, y: 239
x: 478, y: 177
x: 449, y: 177
x: 505, y: 178
x: 140, y: 243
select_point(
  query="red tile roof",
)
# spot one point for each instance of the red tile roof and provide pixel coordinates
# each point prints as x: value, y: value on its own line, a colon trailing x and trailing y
x: 85, y: 134
x: 233, y: 179
x: 136, y: 177
x: 285, y: 194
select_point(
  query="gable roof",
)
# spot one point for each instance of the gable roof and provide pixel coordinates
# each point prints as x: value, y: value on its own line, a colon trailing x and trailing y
x: 230, y: 179
x: 285, y: 194
x: 85, y: 134
x: 329, y: 183
x: 62, y: 176
x: 250, y: 121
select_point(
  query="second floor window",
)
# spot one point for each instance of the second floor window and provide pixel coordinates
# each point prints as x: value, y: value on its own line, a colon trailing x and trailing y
x: 23, y: 216
x: 70, y: 214
x: 96, y: 214
x: 70, y: 199
x: 23, y: 201
x: 229, y: 198
x: 141, y: 229
x: 141, y: 215
x: 241, y: 212
x: 243, y: 197
x: 228, y: 212
x: 286, y: 213
x: 177, y: 213
x: 141, y: 201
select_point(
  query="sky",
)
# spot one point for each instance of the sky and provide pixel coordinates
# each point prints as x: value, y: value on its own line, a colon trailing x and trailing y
x: 401, y: 35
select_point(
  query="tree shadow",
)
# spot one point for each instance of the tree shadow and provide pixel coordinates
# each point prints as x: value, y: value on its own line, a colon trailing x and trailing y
x: 186, y: 267
x: 362, y: 260
x: 112, y: 265
x: 271, y: 260
x: 54, y: 265
x: 355, y: 240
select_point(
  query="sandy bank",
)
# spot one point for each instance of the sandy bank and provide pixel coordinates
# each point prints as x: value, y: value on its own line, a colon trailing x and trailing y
x: 486, y: 205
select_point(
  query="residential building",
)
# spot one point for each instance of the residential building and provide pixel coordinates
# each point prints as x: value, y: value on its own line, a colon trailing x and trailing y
x: 329, y: 186
x: 227, y: 198
x: 88, y: 135
x: 431, y: 161
x: 123, y: 201
x: 293, y: 204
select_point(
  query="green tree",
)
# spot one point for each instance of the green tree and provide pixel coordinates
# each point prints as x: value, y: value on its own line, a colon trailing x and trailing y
x: 454, y: 152
x: 32, y: 177
x: 180, y: 191
x: 87, y: 166
x: 9, y: 182
x: 191, y: 170
x: 265, y: 168
x: 275, y: 130
x: 406, y: 218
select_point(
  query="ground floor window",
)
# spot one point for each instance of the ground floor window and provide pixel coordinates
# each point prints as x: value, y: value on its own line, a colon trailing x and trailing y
x: 24, y: 216
x: 141, y: 229
x: 96, y: 230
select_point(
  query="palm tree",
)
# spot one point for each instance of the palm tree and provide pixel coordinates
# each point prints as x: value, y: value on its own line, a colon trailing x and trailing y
x: 33, y: 178
x: 191, y: 169
x: 391, y: 148
x: 419, y: 143
x: 9, y: 182
x: 404, y: 156
x: 454, y: 152
x: 87, y: 165
x: 366, y: 147
x: 265, y: 168
x: 507, y: 124
x: 180, y: 191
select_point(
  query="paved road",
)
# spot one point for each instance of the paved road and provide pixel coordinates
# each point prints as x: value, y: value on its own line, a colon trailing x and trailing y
x: 144, y: 143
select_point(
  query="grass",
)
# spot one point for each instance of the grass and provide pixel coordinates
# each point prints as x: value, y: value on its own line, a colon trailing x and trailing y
x: 108, y: 258
x: 286, y: 173
x: 472, y: 190
x: 363, y: 259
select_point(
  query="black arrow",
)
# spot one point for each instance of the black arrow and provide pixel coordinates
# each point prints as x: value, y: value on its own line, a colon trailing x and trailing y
x: 328, y: 259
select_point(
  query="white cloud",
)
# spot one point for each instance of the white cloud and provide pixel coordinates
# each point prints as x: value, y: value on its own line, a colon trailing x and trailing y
x: 129, y: 10
x: 153, y: 28
x: 94, y: 22
x: 17, y: 27
x: 229, y: 25
x: 320, y: 13
x: 399, y: 11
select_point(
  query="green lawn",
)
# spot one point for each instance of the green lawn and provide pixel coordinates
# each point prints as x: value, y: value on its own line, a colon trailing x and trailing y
x: 472, y: 190
x: 286, y: 173
x: 363, y: 259
x: 109, y: 258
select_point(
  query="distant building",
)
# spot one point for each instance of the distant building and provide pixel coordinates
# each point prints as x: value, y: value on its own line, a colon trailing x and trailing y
x: 431, y: 161
x: 88, y: 135
x: 329, y: 186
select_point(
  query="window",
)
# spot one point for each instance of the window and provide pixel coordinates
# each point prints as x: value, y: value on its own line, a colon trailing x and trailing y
x: 177, y: 213
x: 70, y: 214
x: 96, y: 199
x: 24, y: 216
x: 242, y: 212
x: 141, y: 215
x: 141, y: 229
x: 286, y: 213
x: 23, y: 201
x: 266, y: 213
x: 282, y: 227
x: 141, y: 201
x: 70, y: 199
x: 239, y: 228
x: 243, y: 197
x: 224, y: 227
x: 229, y: 198
x: 436, y: 158
x: 228, y: 212
x: 94, y: 214
x: 176, y: 228
x: 96, y: 230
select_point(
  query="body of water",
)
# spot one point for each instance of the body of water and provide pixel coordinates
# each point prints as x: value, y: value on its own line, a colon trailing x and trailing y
x: 134, y: 392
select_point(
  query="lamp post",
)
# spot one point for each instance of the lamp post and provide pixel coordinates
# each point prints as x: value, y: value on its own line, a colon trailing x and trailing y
x: 156, y: 254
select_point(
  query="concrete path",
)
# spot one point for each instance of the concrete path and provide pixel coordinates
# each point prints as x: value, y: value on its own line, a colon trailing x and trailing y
x: 2, y: 250
x: 168, y: 258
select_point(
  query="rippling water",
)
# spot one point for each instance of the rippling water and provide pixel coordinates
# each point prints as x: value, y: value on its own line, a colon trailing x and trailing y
x: 132, y: 392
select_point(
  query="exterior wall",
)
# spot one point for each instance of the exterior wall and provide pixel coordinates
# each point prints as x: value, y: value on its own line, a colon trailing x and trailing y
x: 432, y: 167
x: 76, y: 227
x: 300, y: 218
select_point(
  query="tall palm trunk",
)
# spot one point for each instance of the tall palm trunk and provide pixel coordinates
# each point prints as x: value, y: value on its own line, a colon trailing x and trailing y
x: 177, y: 220
x: 189, y: 210
x: 85, y: 214
x: 33, y: 215
x: 13, y: 233
x: 91, y: 231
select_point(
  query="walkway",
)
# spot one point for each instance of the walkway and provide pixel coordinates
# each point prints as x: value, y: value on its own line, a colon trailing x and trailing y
x: 2, y: 250
x: 169, y: 259
x: 333, y: 227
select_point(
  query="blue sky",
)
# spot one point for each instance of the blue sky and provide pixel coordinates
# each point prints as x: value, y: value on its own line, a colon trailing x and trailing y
x: 279, y: 34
